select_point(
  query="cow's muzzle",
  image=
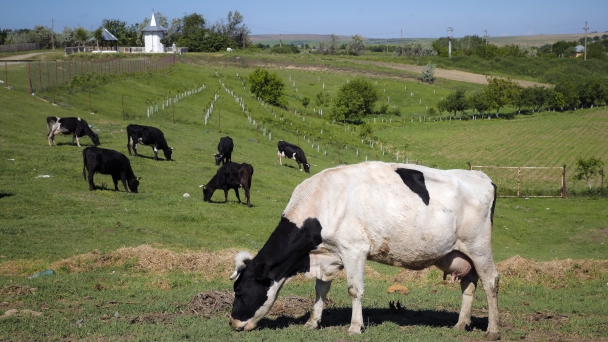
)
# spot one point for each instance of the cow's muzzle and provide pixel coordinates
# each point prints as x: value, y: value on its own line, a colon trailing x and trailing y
x: 240, y: 325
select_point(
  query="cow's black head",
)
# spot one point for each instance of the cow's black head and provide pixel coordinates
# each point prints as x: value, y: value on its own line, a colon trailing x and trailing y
x: 207, y: 192
x: 218, y: 158
x: 95, y: 139
x: 307, y: 167
x: 168, y: 152
x: 254, y: 294
x: 133, y: 184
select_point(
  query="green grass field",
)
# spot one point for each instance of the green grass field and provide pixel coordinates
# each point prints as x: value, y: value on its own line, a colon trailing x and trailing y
x: 100, y: 294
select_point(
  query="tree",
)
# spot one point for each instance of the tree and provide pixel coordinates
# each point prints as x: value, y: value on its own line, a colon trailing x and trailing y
x: 479, y: 101
x: 322, y: 99
x: 42, y: 36
x: 3, y: 34
x: 234, y: 29
x: 98, y: 34
x: 569, y: 93
x: 305, y: 101
x: 540, y: 97
x: 80, y: 35
x: 456, y: 101
x: 501, y: 92
x: 588, y: 168
x: 365, y: 130
x: 332, y: 46
x: 193, y: 34
x: 428, y: 74
x: 267, y: 86
x: 354, y: 100
x: 356, y: 46
x: 126, y: 35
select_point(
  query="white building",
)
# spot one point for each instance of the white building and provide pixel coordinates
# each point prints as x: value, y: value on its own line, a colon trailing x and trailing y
x: 152, y: 35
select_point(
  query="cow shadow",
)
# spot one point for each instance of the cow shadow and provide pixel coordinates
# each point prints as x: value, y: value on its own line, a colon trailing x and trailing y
x: 75, y: 145
x: 229, y: 202
x: 6, y: 194
x: 375, y: 316
x: 149, y: 157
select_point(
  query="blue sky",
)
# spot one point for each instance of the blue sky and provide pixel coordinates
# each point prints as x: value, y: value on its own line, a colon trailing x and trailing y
x: 373, y: 19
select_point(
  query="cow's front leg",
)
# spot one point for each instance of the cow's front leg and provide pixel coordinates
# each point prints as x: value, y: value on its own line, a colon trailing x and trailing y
x: 91, y: 184
x: 226, y: 195
x: 354, y: 265
x: 468, y: 285
x: 115, y: 180
x: 77, y: 141
x: 123, y: 178
x: 321, y: 289
x: 155, y: 153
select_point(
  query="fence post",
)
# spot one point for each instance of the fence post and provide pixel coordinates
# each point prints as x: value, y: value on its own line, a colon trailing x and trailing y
x: 564, y: 182
x: 29, y: 77
x: 518, y: 179
x: 48, y: 75
x: 470, y: 167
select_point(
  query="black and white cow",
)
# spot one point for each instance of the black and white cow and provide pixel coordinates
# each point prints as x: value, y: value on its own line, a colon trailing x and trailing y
x: 109, y: 162
x: 77, y: 127
x: 287, y: 150
x: 404, y: 215
x: 146, y: 135
x: 230, y: 176
x: 224, y: 149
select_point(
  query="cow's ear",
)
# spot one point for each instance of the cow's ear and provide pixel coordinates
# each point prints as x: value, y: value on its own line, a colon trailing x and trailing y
x: 203, y: 186
x: 171, y: 148
x: 261, y: 271
x: 138, y: 178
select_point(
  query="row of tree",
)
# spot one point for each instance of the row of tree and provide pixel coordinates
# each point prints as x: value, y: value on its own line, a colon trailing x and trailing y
x: 476, y: 46
x: 191, y: 30
x: 502, y: 92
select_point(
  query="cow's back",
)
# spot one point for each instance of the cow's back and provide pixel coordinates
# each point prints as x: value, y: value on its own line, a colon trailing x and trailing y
x: 370, y: 204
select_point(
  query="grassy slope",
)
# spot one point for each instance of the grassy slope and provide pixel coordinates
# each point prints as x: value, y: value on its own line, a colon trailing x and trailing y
x: 47, y: 219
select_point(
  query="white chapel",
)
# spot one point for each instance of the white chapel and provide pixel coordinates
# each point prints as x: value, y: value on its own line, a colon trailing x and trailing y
x: 153, y: 33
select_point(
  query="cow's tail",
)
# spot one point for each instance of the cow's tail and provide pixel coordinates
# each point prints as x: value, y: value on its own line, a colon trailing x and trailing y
x: 493, y: 206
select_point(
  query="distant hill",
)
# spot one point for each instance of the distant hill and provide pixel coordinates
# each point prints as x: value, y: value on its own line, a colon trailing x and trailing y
x: 314, y: 39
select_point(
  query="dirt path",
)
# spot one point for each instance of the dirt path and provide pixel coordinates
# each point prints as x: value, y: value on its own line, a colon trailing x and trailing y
x: 454, y: 75
x: 20, y: 57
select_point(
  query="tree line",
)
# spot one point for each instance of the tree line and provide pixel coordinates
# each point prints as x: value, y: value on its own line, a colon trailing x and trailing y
x: 191, y: 30
x: 474, y: 45
x: 501, y: 92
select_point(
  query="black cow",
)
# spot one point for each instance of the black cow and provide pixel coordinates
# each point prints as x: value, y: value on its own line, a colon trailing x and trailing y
x: 146, y: 135
x: 77, y: 127
x: 109, y: 162
x: 230, y: 176
x: 287, y: 150
x: 224, y: 148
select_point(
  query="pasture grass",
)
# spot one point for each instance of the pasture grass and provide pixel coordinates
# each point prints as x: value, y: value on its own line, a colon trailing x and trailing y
x: 48, y: 220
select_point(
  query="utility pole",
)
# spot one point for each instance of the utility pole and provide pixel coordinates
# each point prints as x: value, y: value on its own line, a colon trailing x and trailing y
x: 585, y: 28
x: 401, y: 42
x: 486, y: 36
x: 450, y: 30
x: 53, y: 33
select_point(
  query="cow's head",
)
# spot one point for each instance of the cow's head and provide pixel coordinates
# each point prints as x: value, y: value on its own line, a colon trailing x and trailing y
x: 218, y: 158
x: 254, y: 292
x: 95, y: 139
x: 167, y: 152
x: 307, y: 167
x: 207, y: 192
x: 133, y: 184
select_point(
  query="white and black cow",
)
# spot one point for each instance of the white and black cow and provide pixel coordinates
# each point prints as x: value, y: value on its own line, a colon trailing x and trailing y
x: 404, y: 215
x: 224, y: 149
x: 109, y: 162
x: 230, y: 176
x: 146, y: 135
x: 77, y: 127
x: 287, y: 150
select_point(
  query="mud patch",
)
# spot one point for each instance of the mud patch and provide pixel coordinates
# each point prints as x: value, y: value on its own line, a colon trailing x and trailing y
x: 17, y: 291
x: 211, y: 302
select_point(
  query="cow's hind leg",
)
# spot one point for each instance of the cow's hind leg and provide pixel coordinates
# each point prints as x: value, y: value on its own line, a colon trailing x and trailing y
x: 486, y: 269
x: 355, y: 278
x: 236, y: 191
x: 321, y: 289
x: 91, y: 184
x: 468, y: 285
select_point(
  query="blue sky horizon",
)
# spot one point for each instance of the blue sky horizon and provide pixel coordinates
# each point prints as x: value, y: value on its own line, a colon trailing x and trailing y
x: 380, y: 19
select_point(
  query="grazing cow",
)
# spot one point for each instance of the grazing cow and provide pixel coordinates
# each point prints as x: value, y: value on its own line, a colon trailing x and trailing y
x: 224, y: 148
x: 77, y: 127
x: 287, y: 150
x: 228, y: 49
x: 146, y: 135
x: 109, y: 162
x: 404, y: 215
x: 230, y: 176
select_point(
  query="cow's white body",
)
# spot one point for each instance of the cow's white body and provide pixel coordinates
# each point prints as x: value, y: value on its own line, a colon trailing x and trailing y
x: 367, y: 212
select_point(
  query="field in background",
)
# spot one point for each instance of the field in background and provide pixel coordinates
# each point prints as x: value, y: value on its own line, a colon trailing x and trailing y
x: 99, y: 293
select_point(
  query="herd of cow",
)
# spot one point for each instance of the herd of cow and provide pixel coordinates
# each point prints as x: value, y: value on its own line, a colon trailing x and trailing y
x: 403, y: 215
x: 99, y: 160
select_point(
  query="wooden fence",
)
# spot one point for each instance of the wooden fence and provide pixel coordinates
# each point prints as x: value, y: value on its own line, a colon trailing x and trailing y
x: 527, y: 181
x: 19, y: 47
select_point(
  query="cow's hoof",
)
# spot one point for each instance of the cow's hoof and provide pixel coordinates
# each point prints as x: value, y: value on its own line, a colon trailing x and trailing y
x: 354, y: 330
x: 312, y: 324
x: 492, y: 336
x: 461, y: 326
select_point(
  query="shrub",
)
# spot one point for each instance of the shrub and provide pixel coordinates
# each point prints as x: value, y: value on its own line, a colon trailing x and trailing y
x: 268, y: 86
